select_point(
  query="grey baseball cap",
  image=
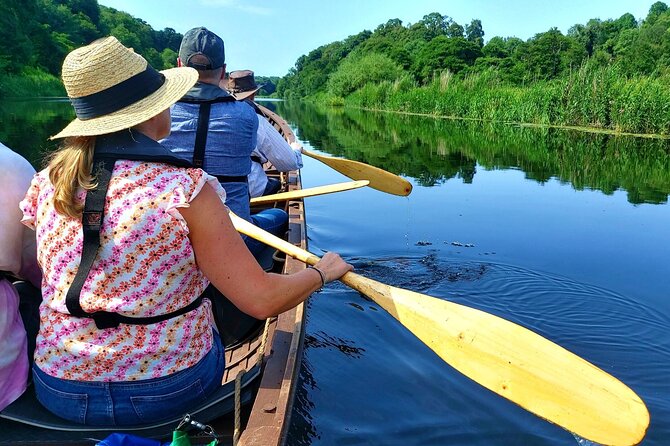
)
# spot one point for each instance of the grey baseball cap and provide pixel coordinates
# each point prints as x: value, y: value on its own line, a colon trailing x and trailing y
x: 203, y: 42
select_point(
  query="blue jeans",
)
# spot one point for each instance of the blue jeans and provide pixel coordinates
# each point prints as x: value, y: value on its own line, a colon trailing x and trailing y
x: 131, y: 403
x: 272, y: 187
x: 274, y: 221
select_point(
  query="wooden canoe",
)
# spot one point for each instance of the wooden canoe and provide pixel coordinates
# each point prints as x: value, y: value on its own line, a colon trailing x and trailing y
x: 266, y: 365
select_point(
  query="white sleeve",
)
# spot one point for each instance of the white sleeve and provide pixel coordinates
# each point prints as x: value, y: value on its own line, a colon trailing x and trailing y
x: 15, y: 176
x: 273, y: 147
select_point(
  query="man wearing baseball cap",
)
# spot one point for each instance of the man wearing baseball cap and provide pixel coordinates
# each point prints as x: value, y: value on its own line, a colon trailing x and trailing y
x: 218, y: 133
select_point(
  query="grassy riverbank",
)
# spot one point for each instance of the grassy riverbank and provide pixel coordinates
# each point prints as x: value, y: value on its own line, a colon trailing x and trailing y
x: 600, y: 98
x: 33, y: 83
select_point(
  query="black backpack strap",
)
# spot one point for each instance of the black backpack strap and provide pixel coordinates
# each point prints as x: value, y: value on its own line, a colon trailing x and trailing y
x: 92, y: 218
x: 201, y: 134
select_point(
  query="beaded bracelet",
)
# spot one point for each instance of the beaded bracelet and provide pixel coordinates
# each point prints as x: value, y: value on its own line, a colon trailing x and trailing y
x: 321, y: 274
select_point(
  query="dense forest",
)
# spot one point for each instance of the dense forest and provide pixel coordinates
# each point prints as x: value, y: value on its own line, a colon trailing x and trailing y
x: 37, y: 34
x: 437, y: 44
x: 609, y: 74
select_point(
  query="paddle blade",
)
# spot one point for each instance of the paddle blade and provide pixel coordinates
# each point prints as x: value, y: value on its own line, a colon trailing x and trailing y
x: 379, y: 179
x: 518, y: 364
x: 309, y: 192
x: 512, y: 361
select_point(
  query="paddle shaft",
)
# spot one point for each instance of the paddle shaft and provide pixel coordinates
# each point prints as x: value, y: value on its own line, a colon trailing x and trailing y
x: 508, y: 359
x: 309, y: 192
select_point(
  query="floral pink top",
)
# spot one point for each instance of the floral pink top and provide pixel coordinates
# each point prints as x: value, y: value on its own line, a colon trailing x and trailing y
x: 145, y: 267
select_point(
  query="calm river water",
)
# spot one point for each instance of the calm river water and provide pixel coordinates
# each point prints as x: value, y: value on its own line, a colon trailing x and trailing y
x: 566, y: 233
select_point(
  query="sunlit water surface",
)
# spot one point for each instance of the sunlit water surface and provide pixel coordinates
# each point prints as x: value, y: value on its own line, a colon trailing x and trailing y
x: 588, y: 269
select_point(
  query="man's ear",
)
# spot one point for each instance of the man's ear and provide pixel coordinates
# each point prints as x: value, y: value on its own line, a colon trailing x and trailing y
x: 223, y: 72
x: 179, y: 64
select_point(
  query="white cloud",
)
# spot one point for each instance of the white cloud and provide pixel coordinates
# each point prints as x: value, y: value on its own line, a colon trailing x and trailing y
x: 236, y: 4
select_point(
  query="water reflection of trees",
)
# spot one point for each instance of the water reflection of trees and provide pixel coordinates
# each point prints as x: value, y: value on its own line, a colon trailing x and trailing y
x: 27, y: 125
x: 426, y: 149
x: 435, y: 150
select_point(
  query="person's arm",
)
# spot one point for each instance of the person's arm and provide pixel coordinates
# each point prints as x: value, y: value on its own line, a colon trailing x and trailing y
x: 225, y: 260
x: 275, y: 148
x: 18, y: 252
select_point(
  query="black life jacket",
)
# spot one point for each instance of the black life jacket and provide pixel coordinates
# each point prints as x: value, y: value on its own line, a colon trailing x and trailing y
x: 124, y: 145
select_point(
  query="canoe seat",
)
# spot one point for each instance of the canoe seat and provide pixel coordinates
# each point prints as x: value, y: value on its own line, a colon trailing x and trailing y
x: 26, y: 420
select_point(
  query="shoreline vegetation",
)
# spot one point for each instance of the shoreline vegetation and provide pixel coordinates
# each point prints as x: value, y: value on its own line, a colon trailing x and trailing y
x: 432, y: 151
x: 597, y: 100
x: 606, y: 76
x: 31, y: 85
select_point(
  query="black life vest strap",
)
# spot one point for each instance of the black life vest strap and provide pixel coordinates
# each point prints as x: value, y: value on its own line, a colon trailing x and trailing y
x: 106, y: 319
x: 256, y: 159
x: 91, y: 221
x: 132, y: 146
x: 205, y: 106
x: 201, y: 134
x: 232, y: 179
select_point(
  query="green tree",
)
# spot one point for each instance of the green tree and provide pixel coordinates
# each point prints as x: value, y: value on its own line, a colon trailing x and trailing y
x: 645, y: 50
x: 435, y: 25
x: 126, y: 37
x: 168, y: 58
x: 15, y: 28
x: 550, y: 54
x: 356, y: 71
x: 89, y: 8
x: 475, y: 33
x: 443, y: 53
x: 655, y: 11
x: 495, y: 47
x: 454, y: 30
x: 167, y: 38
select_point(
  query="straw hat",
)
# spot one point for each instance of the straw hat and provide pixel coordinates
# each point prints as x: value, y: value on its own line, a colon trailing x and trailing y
x: 113, y: 88
x: 242, y: 84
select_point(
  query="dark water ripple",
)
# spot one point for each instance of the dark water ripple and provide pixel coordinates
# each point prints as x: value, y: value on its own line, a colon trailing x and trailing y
x: 377, y: 385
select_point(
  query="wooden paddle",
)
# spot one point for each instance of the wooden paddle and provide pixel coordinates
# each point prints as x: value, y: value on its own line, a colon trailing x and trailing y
x: 512, y: 361
x: 379, y: 179
x: 309, y: 192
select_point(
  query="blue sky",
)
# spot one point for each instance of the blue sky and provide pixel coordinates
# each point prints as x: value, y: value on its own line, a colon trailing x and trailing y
x: 269, y: 36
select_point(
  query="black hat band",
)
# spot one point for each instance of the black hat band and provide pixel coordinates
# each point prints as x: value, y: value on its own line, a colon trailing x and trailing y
x: 118, y: 96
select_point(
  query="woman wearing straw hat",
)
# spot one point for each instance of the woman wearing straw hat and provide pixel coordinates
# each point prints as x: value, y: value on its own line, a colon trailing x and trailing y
x: 128, y: 239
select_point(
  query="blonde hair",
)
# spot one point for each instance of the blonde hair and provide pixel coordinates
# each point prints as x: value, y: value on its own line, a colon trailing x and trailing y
x: 70, y: 169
